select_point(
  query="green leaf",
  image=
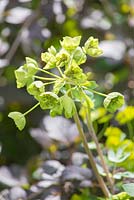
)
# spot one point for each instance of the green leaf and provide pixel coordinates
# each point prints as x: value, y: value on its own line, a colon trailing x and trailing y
x: 57, y: 109
x: 19, y: 119
x: 31, y: 60
x: 101, y: 170
x: 113, y: 101
x: 105, y: 119
x: 129, y: 189
x: 36, y: 88
x: 125, y: 174
x: 68, y: 105
x: 79, y: 56
x: 92, y: 145
x: 58, y: 85
x: 89, y: 94
x: 90, y: 84
x: 20, y: 75
x: 77, y: 94
x: 23, y: 76
x: 90, y: 101
x: 89, y: 97
x: 70, y: 43
x: 119, y: 156
x: 32, y: 66
x: 121, y: 196
x: 85, y: 196
x: 48, y: 100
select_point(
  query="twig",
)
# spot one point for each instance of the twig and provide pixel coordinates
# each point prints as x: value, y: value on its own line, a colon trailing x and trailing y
x: 90, y: 156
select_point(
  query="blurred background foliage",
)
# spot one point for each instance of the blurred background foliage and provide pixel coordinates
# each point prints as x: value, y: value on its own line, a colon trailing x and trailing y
x: 29, y: 27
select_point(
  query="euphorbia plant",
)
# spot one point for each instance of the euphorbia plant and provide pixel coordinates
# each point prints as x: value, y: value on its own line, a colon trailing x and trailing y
x: 70, y: 85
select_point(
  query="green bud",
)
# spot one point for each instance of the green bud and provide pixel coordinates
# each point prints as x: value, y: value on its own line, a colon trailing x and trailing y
x: 79, y: 56
x: 48, y: 100
x: 91, y: 47
x: 113, y: 101
x: 31, y: 66
x: 57, y: 109
x: 91, y: 43
x: 49, y: 59
x: 36, y: 88
x: 75, y: 74
x: 46, y: 57
x: 70, y: 43
x: 62, y: 58
x: 95, y: 52
x: 52, y: 50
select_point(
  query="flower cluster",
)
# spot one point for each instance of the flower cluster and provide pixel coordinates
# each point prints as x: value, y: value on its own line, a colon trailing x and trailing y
x: 69, y: 84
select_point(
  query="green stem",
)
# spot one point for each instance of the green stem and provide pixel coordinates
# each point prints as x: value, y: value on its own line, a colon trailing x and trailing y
x: 99, y: 93
x: 51, y: 74
x: 49, y: 83
x: 90, y: 156
x: 95, y: 139
x: 60, y: 71
x: 44, y: 78
x: 101, y: 133
x: 130, y: 129
x: 35, y: 106
x: 71, y: 58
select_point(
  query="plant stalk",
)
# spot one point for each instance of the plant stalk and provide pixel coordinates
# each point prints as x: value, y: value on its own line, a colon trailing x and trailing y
x: 44, y: 78
x: 90, y: 156
x: 95, y: 139
x: 49, y: 83
x: 99, y: 93
x: 31, y: 109
x: 60, y: 71
x: 47, y: 72
x: 130, y: 130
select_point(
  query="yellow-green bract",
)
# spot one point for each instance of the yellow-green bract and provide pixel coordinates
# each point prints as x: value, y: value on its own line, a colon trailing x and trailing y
x: 69, y: 84
x: 19, y: 119
x: 113, y: 101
